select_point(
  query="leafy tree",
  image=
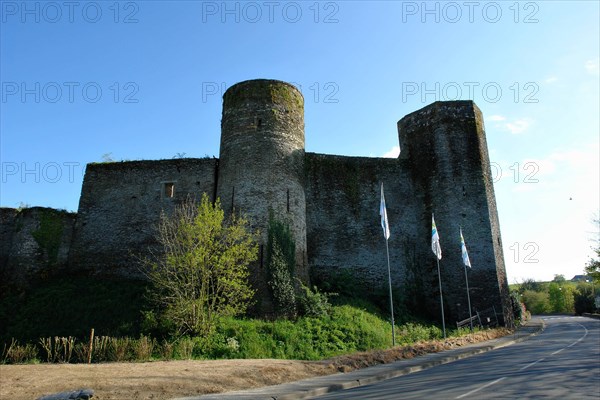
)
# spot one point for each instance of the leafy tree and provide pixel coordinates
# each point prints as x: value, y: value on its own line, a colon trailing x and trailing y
x: 593, y: 267
x: 530, y: 284
x: 584, y: 298
x: 536, y: 302
x: 561, y: 298
x: 559, y: 278
x: 202, y: 273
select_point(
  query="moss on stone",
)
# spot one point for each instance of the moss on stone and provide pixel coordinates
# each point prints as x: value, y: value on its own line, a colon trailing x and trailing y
x: 49, y: 234
x: 277, y: 92
x: 283, y: 94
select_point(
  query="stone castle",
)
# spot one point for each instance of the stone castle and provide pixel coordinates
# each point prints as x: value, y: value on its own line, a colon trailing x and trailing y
x: 330, y: 202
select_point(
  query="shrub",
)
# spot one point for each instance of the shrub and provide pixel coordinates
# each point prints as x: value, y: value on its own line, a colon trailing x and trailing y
x: 142, y: 348
x: 17, y: 354
x: 536, y: 302
x: 313, y: 303
x: 58, y: 349
x: 184, y: 348
x: 166, y: 350
x: 202, y: 273
x: 584, y: 299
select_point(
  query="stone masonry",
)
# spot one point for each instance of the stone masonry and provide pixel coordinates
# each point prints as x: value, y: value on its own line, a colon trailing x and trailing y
x: 330, y: 202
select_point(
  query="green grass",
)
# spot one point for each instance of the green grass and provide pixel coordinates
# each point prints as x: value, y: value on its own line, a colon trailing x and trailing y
x: 71, y: 307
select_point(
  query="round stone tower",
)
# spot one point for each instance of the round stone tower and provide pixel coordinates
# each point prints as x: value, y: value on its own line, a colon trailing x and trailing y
x: 261, y: 165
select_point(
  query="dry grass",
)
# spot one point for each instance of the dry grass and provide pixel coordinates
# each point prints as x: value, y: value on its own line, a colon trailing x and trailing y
x: 354, y: 361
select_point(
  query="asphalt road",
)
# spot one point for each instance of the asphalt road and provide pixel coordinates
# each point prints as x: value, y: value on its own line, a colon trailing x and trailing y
x: 562, y: 362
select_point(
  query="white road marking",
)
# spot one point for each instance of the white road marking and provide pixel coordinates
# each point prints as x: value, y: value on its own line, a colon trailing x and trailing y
x: 526, y: 366
x: 575, y: 342
x: 480, y: 388
x: 531, y: 364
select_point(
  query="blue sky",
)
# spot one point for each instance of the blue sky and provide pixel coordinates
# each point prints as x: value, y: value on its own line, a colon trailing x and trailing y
x: 129, y: 80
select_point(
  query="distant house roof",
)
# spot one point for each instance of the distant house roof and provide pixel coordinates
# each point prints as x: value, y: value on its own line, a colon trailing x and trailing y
x: 580, y: 278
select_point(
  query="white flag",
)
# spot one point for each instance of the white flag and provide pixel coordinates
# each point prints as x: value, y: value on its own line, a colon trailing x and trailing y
x: 384, y: 218
x: 463, y: 248
x: 435, y: 240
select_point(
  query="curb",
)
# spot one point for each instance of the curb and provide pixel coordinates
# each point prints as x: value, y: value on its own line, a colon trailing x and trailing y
x: 318, y: 386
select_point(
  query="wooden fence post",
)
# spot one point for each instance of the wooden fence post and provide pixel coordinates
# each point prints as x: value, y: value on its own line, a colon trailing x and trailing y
x: 91, y: 346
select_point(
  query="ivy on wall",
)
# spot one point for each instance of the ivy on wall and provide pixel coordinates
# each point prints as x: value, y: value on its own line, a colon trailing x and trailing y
x: 281, y: 262
x: 49, y: 234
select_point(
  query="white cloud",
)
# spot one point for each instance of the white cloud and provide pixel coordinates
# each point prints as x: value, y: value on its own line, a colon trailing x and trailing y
x: 518, y: 126
x: 591, y: 66
x: 515, y: 126
x: 393, y: 153
x: 551, y: 79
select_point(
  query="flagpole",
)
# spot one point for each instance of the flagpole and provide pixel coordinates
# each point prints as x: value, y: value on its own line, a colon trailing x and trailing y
x: 441, y: 298
x: 466, y: 262
x: 390, y: 286
x: 386, y: 234
x: 469, y: 299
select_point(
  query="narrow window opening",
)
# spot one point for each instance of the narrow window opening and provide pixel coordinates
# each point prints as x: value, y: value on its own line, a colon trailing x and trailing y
x: 259, y: 123
x: 288, y: 200
x: 261, y: 256
x: 169, y: 190
x: 232, y: 197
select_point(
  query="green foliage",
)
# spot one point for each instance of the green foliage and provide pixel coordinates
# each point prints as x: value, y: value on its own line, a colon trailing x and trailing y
x: 281, y: 284
x: 281, y: 262
x: 530, y: 284
x: 350, y: 290
x: 313, y: 303
x: 518, y: 309
x: 344, y: 330
x: 347, y: 329
x: 584, y: 298
x: 71, y: 307
x: 410, y: 333
x: 536, y: 302
x: 561, y: 298
x: 593, y: 267
x: 202, y: 274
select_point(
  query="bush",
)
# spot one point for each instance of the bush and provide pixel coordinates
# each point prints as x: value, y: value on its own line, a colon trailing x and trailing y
x: 313, y: 303
x: 58, y: 349
x: 584, y: 299
x: 17, y: 354
x: 71, y: 307
x: 536, y: 302
x: 202, y: 273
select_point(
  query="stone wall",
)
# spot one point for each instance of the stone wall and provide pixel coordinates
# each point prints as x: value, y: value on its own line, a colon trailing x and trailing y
x: 121, y: 204
x: 343, y: 222
x: 261, y: 166
x: 331, y: 203
x: 445, y: 150
x: 35, y: 243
